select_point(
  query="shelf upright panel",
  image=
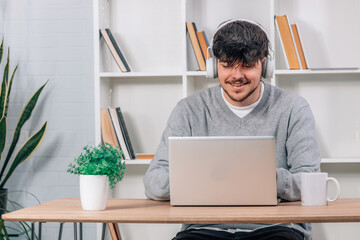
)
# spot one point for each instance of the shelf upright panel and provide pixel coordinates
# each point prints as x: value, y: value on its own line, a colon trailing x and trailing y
x: 96, y: 70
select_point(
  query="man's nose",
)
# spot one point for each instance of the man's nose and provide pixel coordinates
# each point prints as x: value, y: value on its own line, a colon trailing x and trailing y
x: 237, y: 71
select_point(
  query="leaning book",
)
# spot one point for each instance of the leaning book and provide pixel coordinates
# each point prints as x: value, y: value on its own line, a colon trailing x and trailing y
x: 117, y: 129
x: 125, y: 133
x: 115, y: 50
x: 287, y: 42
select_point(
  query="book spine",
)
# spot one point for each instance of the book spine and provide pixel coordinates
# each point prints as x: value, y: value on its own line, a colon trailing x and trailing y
x: 191, y: 28
x: 113, y: 50
x: 299, y: 46
x: 118, y: 133
x: 208, y: 45
x: 118, y: 49
x: 125, y: 133
x: 107, y: 132
x: 203, y: 45
x: 287, y: 42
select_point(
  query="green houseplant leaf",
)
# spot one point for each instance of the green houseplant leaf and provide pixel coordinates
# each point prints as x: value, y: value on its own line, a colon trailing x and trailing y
x: 25, y: 151
x: 2, y: 134
x: 9, y: 91
x: 9, y: 164
x: 4, y: 84
x: 25, y: 115
x: 1, y: 49
x: 29, y: 146
x: 100, y: 160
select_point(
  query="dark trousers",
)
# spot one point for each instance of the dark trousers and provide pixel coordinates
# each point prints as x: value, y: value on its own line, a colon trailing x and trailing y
x: 269, y: 233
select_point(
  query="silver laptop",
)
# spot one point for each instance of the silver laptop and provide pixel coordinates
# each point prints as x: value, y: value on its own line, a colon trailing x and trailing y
x: 222, y: 170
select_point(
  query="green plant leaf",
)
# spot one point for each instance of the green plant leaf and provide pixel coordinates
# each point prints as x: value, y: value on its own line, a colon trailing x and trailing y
x: 2, y: 134
x: 18, y: 227
x: 3, y: 231
x: 9, y: 91
x: 4, y: 87
x: 100, y: 160
x: 25, y: 115
x: 25, y: 151
x: 1, y: 49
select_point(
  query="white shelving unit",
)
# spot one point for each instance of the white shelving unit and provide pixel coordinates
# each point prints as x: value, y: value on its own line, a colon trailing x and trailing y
x: 152, y: 37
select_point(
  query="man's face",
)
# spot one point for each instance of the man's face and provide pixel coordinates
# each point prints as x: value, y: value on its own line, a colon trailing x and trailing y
x: 241, y: 83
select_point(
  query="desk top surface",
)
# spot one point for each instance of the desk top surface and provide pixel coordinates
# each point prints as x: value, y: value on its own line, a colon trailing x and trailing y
x: 148, y: 211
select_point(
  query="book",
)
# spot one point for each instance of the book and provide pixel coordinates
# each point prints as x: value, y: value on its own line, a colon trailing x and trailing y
x: 118, y: 132
x: 107, y: 131
x: 125, y: 133
x: 145, y: 156
x: 299, y: 46
x: 287, y: 42
x: 115, y: 50
x: 204, y: 44
x: 191, y: 29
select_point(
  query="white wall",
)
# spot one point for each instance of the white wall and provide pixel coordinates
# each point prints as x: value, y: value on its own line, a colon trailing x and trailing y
x: 51, y: 40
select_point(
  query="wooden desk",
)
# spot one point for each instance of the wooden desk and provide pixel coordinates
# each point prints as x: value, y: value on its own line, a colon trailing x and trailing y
x: 148, y: 211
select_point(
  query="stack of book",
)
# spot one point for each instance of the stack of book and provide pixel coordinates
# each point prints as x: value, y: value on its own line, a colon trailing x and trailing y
x: 290, y: 43
x: 199, y: 44
x: 114, y: 49
x: 114, y: 131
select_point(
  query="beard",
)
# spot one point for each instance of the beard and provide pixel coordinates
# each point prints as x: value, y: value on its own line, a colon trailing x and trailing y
x: 243, y: 98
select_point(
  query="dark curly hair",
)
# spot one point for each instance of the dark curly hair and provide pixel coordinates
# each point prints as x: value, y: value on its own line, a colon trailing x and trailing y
x: 240, y: 41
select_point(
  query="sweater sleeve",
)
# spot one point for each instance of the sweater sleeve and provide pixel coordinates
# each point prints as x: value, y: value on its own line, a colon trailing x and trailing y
x: 156, y: 179
x: 303, y: 154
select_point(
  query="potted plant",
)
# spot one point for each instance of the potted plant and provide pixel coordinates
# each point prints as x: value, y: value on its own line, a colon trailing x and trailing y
x: 99, y: 167
x: 9, y: 164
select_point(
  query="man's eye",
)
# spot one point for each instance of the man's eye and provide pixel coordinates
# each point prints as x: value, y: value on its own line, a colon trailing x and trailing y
x: 226, y: 66
x: 247, y: 66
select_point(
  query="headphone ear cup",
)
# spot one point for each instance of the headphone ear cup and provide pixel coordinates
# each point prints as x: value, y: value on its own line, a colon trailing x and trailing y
x: 267, y: 68
x: 215, y: 68
x: 264, y: 68
x: 211, y: 68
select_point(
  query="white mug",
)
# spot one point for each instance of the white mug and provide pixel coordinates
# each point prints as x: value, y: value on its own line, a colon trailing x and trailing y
x: 314, y: 189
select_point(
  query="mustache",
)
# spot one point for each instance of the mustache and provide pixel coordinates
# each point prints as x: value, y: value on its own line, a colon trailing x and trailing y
x: 237, y: 81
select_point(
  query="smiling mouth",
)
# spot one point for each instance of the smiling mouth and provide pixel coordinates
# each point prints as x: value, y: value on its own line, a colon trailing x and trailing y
x: 237, y: 84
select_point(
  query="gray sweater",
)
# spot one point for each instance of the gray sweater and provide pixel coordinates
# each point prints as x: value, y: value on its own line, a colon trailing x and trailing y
x: 286, y: 116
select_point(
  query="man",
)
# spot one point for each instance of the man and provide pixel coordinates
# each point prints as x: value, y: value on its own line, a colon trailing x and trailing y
x: 243, y: 105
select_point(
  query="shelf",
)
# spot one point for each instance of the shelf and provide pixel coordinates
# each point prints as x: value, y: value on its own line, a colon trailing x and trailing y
x: 140, y: 74
x: 203, y: 73
x: 151, y: 74
x: 324, y: 160
x: 196, y: 73
x: 340, y: 160
x: 138, y: 162
x: 316, y: 72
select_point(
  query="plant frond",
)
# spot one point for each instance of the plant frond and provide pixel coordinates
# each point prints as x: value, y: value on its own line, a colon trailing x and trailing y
x: 2, y: 134
x: 9, y: 91
x: 25, y: 115
x: 3, y: 92
x: 1, y: 49
x: 25, y: 152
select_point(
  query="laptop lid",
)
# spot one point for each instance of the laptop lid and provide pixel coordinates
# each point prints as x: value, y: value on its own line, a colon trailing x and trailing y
x: 222, y: 170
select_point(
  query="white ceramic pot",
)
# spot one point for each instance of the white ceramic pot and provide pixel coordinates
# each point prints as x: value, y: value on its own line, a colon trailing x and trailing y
x: 94, y: 191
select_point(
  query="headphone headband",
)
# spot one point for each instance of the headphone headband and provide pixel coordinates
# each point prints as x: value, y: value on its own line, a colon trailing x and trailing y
x: 268, y: 65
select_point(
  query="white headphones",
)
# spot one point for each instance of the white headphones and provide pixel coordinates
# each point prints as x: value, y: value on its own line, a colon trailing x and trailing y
x: 268, y: 64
